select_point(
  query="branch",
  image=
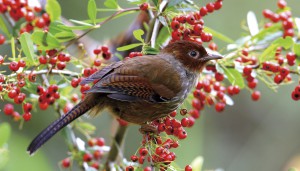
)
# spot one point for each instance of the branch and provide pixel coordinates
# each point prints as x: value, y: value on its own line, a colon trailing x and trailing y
x: 45, y: 71
x: 114, y: 151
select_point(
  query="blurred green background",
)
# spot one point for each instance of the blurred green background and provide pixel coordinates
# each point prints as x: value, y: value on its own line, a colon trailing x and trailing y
x: 249, y: 136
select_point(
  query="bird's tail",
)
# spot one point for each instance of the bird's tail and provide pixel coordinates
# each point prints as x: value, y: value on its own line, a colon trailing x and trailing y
x: 85, y: 105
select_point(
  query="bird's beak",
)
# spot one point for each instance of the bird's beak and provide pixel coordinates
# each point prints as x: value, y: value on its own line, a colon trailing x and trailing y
x: 210, y: 56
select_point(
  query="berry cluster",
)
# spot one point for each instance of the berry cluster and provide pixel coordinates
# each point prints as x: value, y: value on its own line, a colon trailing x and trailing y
x: 47, y: 96
x: 19, y: 9
x: 285, y: 16
x: 55, y: 60
x: 155, y: 148
x: 103, y: 51
x: 91, y: 156
x: 190, y: 27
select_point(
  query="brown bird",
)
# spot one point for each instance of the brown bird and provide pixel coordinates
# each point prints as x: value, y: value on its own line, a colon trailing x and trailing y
x: 139, y: 89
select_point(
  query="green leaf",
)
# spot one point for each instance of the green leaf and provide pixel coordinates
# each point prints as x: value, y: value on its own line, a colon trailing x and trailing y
x: 218, y: 35
x: 234, y: 77
x: 13, y: 47
x: 136, y: 2
x: 111, y: 4
x: 264, y: 32
x: 127, y: 47
x: 162, y: 37
x: 27, y: 47
x: 54, y: 28
x: 45, y: 40
x: 4, y: 158
x: 150, y: 50
x: 92, y: 10
x: 269, y: 53
x: 197, y: 163
x: 155, y: 2
x: 138, y: 35
x: 53, y: 9
x: 5, y: 133
x: 64, y: 36
x: 75, y: 27
x: 296, y: 49
x: 86, y: 126
x: 293, y: 169
x: 3, y: 27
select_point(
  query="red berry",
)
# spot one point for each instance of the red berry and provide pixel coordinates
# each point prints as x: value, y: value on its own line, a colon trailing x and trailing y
x: 27, y: 107
x: 267, y: 13
x: 2, y: 39
x: 144, y: 6
x: 175, y: 25
x: 219, y: 76
x: 75, y: 82
x: 95, y: 165
x: 27, y: 116
x: 143, y: 151
x: 97, y: 51
x: 53, y: 89
x: 236, y: 89
x: 247, y: 70
x: 40, y: 90
x: 255, y: 95
x: 295, y: 95
x: 13, y: 66
x: 213, y: 46
x: 12, y: 93
x: 218, y: 4
x: 21, y: 63
x: 203, y: 11
x: 65, y: 163
x: 1, y: 59
x: 129, y: 168
x: 97, y: 154
x: 188, y: 168
x: 134, y: 158
x: 176, y: 35
x: 182, y: 19
x: 40, y: 23
x: 185, y: 122
x: 210, y: 7
x: 32, y: 77
x: 97, y: 62
x: 148, y: 168
x: 8, y: 109
x: 190, y: 19
x: 87, y: 72
x: 87, y: 157
x: 252, y: 84
x: 220, y: 106
x: 61, y: 65
x: 29, y: 16
x: 43, y: 60
x: 281, y: 4
x: 278, y: 79
x: 43, y: 106
x: 100, y: 142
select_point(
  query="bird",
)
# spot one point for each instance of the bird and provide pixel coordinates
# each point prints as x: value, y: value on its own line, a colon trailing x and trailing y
x: 138, y: 90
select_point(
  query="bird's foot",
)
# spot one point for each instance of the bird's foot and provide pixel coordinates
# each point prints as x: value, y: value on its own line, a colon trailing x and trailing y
x: 146, y: 129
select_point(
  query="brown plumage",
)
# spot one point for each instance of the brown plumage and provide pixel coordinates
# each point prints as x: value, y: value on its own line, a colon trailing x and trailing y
x: 140, y: 89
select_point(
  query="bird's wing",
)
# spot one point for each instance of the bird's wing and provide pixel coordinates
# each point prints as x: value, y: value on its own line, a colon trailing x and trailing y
x: 148, y: 78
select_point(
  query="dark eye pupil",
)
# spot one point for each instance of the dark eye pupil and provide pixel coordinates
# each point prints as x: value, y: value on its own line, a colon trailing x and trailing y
x: 193, y: 53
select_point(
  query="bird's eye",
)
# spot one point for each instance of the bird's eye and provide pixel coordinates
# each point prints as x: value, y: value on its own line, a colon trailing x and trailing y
x: 193, y: 53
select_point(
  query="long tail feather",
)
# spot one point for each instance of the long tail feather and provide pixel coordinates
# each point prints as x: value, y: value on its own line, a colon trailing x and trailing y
x: 81, y: 108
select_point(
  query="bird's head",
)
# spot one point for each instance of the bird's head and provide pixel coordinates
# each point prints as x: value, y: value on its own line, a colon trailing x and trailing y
x: 192, y: 55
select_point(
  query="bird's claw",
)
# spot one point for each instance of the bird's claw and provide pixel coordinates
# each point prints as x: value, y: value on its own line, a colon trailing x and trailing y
x: 146, y: 129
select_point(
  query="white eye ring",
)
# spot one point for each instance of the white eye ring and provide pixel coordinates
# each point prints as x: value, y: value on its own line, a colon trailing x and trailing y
x: 193, y: 53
